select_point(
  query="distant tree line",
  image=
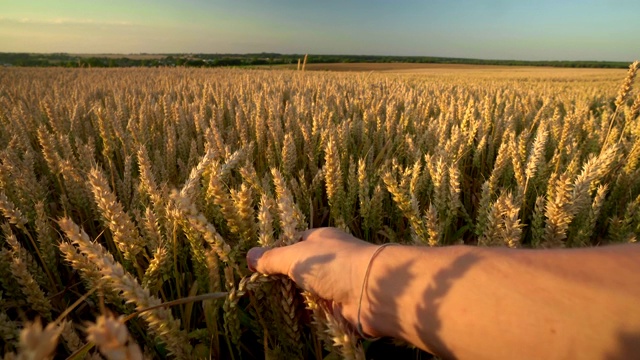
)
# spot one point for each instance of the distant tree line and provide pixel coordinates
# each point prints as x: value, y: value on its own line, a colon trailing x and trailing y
x: 216, y: 60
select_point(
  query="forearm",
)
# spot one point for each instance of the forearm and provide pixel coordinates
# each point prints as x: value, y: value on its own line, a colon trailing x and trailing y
x: 502, y: 303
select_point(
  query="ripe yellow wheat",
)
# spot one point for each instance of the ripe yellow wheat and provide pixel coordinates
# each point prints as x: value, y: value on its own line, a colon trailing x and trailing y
x: 150, y: 185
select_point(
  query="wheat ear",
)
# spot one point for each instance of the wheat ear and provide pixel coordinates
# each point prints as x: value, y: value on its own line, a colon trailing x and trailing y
x: 111, y: 336
x: 333, y: 180
x: 125, y: 233
x: 37, y: 342
x: 35, y: 296
x: 623, y: 92
x: 290, y: 215
x: 160, y: 319
x: 198, y: 222
x: 70, y: 337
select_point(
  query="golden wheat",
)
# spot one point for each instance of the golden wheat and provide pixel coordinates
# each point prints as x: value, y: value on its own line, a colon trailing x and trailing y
x: 176, y: 173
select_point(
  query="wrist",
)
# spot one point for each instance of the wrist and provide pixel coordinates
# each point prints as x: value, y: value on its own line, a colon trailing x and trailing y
x: 378, y: 292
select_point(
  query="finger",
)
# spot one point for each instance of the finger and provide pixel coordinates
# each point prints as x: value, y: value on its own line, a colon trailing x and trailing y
x: 271, y: 261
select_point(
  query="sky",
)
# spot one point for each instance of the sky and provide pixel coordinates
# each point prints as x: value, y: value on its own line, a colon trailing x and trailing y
x: 604, y: 30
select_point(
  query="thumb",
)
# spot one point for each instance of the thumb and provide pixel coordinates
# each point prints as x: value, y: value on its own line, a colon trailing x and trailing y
x: 269, y: 261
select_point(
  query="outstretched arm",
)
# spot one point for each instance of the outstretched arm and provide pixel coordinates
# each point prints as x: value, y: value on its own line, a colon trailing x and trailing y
x: 471, y: 302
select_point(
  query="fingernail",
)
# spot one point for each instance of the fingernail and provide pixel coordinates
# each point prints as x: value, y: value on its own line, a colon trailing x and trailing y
x: 253, y: 256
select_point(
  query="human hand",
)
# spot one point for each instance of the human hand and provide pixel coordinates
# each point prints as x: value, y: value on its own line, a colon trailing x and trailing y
x: 328, y: 263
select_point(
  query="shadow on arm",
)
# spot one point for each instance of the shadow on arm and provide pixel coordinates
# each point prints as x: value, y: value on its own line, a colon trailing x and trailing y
x: 427, y: 322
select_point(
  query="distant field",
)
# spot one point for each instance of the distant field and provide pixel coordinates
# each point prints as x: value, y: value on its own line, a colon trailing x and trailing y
x: 388, y: 66
x: 413, y: 68
x: 119, y: 56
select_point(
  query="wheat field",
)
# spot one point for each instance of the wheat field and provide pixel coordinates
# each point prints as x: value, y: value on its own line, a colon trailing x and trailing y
x: 129, y: 197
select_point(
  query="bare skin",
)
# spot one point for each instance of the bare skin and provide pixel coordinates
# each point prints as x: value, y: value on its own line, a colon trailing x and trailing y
x: 470, y: 302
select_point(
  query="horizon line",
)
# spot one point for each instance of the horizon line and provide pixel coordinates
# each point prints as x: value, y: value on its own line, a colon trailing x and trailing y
x: 303, y: 54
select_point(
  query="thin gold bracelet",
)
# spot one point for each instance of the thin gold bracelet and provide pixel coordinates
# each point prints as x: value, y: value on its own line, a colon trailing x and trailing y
x: 364, y: 284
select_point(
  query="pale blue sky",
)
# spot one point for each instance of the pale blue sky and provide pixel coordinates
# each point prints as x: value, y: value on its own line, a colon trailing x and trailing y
x: 488, y: 29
